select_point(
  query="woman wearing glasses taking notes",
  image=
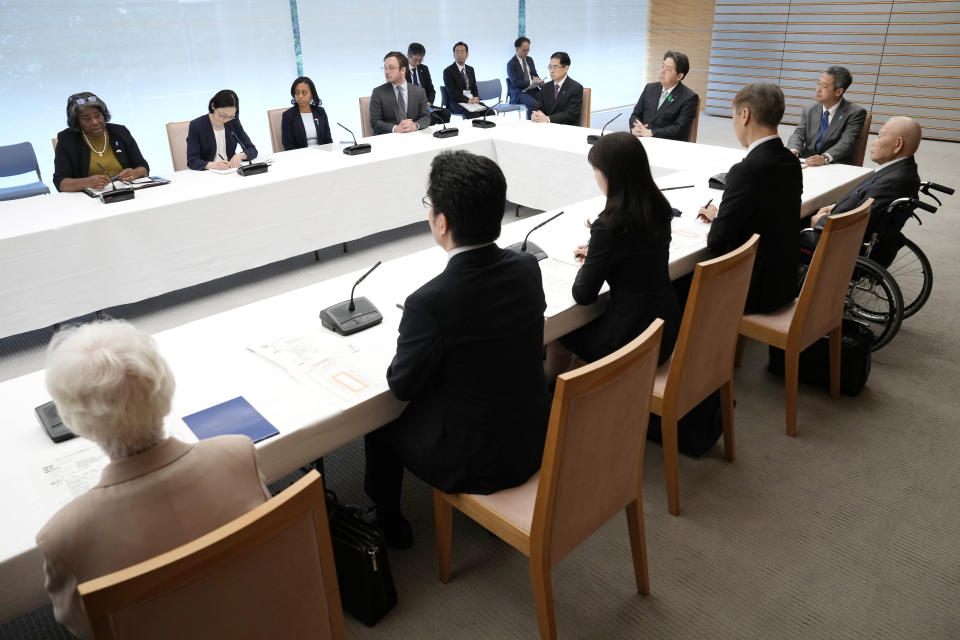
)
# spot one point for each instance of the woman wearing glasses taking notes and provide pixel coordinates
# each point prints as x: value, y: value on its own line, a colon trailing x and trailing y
x: 304, y: 123
x: 92, y: 147
x: 217, y: 140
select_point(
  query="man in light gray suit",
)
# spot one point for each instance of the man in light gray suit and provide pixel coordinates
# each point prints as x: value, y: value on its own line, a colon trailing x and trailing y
x: 828, y: 129
x: 398, y: 106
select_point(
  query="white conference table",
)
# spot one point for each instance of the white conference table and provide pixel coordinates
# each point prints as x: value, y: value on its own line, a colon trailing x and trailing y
x: 66, y: 255
x: 213, y: 363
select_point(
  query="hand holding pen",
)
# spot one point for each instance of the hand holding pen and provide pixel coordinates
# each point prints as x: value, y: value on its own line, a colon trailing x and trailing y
x: 707, y: 212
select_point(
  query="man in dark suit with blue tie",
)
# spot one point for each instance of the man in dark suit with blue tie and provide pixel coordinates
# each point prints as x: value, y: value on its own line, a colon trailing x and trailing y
x: 469, y: 356
x: 561, y: 99
x: 668, y: 108
x: 419, y: 75
x: 461, y: 82
x: 522, y: 73
x: 829, y: 128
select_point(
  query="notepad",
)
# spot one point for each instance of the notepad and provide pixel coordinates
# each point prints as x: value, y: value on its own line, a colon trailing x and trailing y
x: 235, y: 416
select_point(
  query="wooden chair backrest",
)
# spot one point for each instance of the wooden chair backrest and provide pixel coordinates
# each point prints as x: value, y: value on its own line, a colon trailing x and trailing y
x: 177, y: 135
x: 54, y: 141
x: 593, y: 456
x: 276, y: 133
x: 585, y: 108
x: 861, y: 149
x: 365, y: 125
x: 266, y: 574
x: 693, y: 128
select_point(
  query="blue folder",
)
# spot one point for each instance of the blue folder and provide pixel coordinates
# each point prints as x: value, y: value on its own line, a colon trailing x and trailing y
x: 235, y: 416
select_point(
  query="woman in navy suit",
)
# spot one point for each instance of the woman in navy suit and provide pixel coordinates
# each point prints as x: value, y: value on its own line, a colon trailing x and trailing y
x: 212, y: 139
x: 304, y: 123
x: 630, y: 249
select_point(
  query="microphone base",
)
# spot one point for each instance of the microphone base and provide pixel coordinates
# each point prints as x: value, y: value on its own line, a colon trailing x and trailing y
x: 117, y: 195
x: 484, y: 124
x: 532, y: 249
x: 592, y: 139
x: 449, y: 132
x: 339, y: 318
x: 252, y: 169
x: 357, y: 149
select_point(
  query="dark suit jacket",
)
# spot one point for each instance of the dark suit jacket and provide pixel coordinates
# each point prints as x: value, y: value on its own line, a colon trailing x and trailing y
x: 470, y: 361
x: 841, y: 136
x: 636, y: 264
x: 672, y: 120
x: 202, y: 145
x: 453, y: 81
x: 762, y: 196
x: 518, y: 80
x: 294, y: 134
x: 72, y: 156
x: 899, y: 180
x: 566, y: 110
x: 384, y: 107
x: 426, y: 82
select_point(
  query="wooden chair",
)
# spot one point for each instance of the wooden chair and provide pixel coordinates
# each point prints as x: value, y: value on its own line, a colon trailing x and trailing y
x: 592, y: 468
x: 585, y: 108
x: 276, y: 133
x: 267, y: 574
x: 54, y: 141
x: 696, y: 125
x: 177, y: 136
x: 819, y: 309
x: 702, y: 361
x: 861, y: 149
x: 365, y: 127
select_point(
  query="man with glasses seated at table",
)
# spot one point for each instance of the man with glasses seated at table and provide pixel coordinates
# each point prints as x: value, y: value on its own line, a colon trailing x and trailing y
x: 524, y: 82
x: 419, y: 74
x: 398, y: 106
x: 561, y: 99
x: 830, y: 127
x: 469, y: 356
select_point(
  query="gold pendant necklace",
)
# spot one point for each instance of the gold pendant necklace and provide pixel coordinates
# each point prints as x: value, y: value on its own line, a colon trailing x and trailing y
x: 102, y: 150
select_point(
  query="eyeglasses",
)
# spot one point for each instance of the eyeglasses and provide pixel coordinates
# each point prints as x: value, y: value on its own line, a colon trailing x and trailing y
x: 87, y: 99
x: 426, y: 203
x: 224, y: 117
x: 555, y: 67
x: 389, y: 68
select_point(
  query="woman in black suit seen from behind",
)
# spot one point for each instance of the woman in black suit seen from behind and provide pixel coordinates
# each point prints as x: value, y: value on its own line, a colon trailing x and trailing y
x: 630, y: 249
x: 213, y: 139
x: 304, y: 123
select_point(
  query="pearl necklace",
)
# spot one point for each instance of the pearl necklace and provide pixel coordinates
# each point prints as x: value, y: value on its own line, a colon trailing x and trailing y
x: 103, y: 150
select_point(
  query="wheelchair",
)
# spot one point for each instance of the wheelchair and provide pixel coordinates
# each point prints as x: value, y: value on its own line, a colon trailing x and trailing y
x: 892, y: 278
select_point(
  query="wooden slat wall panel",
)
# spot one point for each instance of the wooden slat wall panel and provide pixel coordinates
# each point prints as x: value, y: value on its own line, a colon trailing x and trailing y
x: 685, y: 26
x: 904, y: 55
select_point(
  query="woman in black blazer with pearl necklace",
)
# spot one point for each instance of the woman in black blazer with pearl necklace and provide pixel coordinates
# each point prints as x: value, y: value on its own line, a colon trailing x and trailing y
x: 212, y: 139
x: 304, y: 123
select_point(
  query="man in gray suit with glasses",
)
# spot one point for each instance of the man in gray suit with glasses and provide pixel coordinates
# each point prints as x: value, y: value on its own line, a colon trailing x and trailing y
x: 398, y: 106
x: 829, y: 128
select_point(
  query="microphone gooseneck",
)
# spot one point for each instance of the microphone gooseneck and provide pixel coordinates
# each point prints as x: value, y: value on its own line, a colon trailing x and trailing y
x: 352, y: 136
x: 523, y: 247
x: 352, y: 306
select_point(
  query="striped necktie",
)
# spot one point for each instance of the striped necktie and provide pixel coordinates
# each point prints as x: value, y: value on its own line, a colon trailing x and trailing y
x: 663, y: 96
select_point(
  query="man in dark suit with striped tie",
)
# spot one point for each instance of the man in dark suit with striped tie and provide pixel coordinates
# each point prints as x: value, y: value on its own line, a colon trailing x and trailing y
x: 522, y: 73
x: 418, y: 74
x: 461, y: 82
x: 667, y: 108
x: 561, y: 99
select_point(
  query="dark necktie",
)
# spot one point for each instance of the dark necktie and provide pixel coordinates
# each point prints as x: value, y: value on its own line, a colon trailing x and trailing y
x: 416, y: 79
x: 400, y: 104
x: 463, y: 74
x: 556, y: 92
x: 526, y: 71
x: 824, y: 123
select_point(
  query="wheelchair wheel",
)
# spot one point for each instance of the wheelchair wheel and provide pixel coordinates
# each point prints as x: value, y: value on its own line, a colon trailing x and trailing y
x: 874, y: 298
x: 912, y: 271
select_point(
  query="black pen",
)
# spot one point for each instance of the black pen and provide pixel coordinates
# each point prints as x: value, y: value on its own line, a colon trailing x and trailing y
x: 400, y: 306
x: 686, y: 186
x: 708, y: 203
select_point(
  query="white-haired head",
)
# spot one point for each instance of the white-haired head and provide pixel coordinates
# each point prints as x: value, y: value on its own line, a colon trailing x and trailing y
x: 110, y: 385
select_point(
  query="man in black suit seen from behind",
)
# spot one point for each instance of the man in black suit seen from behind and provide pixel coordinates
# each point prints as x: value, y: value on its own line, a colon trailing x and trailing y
x: 419, y: 74
x: 461, y: 82
x: 762, y: 195
x: 562, y: 98
x: 524, y: 82
x: 829, y: 128
x: 397, y: 106
x: 469, y: 356
x: 667, y: 109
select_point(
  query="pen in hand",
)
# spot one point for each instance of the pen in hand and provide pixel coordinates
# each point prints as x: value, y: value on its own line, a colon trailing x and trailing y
x: 701, y: 216
x: 400, y: 306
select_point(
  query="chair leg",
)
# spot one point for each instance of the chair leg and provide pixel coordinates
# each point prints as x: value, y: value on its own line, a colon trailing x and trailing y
x: 543, y: 596
x: 671, y: 461
x: 726, y: 412
x: 791, y: 373
x: 741, y: 343
x: 443, y: 522
x: 836, y: 342
x: 316, y: 255
x: 638, y: 544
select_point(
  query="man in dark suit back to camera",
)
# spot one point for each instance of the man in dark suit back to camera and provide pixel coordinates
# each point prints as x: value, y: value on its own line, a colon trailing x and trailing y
x: 830, y: 127
x: 397, y: 106
x: 461, y: 82
x: 561, y: 99
x: 419, y: 74
x: 762, y: 196
x: 469, y: 356
x: 667, y: 108
x: 524, y: 82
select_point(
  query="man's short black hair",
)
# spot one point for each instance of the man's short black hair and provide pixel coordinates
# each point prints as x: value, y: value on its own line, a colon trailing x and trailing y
x: 471, y: 192
x: 765, y: 101
x: 519, y: 41
x: 464, y: 46
x: 562, y: 57
x: 401, y: 59
x: 680, y: 61
x: 416, y: 49
x: 842, y: 78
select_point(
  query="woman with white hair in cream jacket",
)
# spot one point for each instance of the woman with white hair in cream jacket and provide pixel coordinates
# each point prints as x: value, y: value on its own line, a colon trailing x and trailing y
x: 112, y: 386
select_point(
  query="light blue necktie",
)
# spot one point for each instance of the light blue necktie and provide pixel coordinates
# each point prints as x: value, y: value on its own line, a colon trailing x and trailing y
x: 663, y: 96
x: 824, y: 123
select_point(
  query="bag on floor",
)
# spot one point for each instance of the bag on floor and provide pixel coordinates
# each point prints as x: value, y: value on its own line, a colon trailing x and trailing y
x: 697, y: 431
x: 363, y: 571
x: 855, y: 360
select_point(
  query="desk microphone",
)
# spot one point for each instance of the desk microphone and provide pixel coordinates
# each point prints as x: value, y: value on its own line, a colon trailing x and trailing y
x: 251, y: 168
x: 114, y: 195
x: 352, y: 315
x: 355, y: 149
x: 529, y: 247
x: 446, y: 132
x: 593, y: 138
x: 487, y: 124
